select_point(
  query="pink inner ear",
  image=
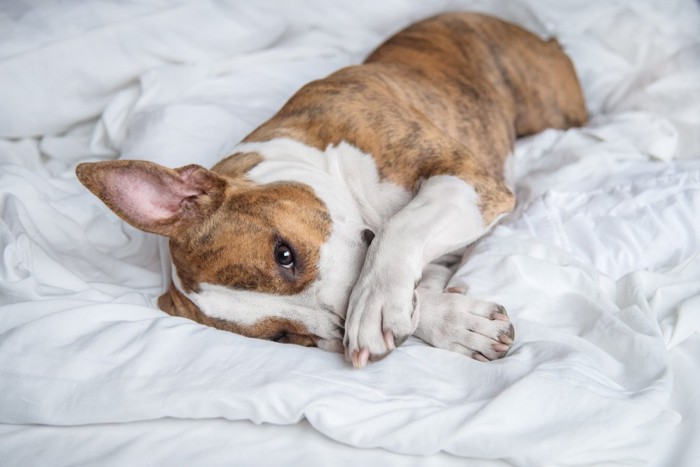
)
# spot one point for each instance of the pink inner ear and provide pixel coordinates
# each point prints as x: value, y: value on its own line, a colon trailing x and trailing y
x: 148, y: 197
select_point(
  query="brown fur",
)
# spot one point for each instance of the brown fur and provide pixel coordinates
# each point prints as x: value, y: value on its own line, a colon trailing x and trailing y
x: 238, y: 164
x: 225, y: 249
x: 448, y: 95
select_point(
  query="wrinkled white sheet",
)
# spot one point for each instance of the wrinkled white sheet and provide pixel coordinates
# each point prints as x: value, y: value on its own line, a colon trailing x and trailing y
x: 599, y: 266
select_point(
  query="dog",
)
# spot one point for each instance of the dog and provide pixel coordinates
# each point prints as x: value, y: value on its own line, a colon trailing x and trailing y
x: 330, y: 223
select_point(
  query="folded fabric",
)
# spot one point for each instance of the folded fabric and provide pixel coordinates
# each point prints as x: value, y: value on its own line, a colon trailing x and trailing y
x: 590, y: 352
x: 598, y: 266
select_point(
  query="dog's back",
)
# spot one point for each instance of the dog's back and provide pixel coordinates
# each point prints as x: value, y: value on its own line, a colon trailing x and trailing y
x: 448, y: 95
x: 500, y: 80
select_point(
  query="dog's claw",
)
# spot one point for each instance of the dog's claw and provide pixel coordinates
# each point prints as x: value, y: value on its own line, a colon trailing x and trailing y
x: 499, y: 317
x: 359, y: 358
x: 480, y: 357
x: 389, y: 340
x: 506, y: 339
x: 500, y: 314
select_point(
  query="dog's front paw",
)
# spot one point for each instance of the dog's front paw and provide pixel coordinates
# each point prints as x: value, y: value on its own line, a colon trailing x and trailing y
x: 452, y: 321
x: 381, y: 315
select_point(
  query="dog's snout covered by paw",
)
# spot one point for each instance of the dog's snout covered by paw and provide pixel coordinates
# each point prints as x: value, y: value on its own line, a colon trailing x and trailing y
x: 325, y: 225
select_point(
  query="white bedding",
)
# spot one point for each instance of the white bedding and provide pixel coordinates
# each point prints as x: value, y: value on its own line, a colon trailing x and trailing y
x: 599, y: 266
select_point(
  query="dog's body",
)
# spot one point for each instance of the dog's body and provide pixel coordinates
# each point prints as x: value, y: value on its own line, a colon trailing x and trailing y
x: 276, y: 240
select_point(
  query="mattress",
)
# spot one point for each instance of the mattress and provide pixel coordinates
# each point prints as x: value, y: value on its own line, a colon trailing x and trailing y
x: 598, y: 266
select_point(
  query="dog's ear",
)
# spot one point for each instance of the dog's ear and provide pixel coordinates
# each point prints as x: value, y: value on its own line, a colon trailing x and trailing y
x: 152, y: 197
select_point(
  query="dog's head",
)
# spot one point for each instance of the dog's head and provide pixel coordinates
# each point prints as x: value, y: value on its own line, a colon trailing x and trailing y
x: 265, y: 261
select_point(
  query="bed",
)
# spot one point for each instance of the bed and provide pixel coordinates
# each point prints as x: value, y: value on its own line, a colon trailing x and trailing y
x: 599, y: 264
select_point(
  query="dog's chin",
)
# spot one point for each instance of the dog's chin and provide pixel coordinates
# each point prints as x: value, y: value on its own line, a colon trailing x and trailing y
x: 331, y: 345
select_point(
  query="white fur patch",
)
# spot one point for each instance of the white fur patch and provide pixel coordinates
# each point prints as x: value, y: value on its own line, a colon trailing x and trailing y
x: 343, y: 177
x: 377, y: 200
x: 248, y: 307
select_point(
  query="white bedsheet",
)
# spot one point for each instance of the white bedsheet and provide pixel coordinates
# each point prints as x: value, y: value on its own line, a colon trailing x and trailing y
x: 599, y: 266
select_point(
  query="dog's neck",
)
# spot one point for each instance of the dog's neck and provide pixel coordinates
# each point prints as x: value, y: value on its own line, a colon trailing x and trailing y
x: 344, y: 177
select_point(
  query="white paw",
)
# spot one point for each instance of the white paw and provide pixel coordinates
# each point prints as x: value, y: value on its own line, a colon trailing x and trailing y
x: 475, y: 328
x: 380, y: 316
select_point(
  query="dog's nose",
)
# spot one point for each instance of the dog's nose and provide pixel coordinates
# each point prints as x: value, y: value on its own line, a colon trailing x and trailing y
x: 367, y: 236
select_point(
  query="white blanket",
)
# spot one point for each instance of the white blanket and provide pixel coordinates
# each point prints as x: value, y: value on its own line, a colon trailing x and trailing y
x: 599, y: 267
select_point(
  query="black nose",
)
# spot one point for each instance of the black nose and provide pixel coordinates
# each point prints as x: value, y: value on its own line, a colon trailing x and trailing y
x: 367, y: 236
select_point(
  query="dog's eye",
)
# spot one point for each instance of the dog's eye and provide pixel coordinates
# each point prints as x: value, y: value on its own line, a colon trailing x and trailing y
x: 284, y: 256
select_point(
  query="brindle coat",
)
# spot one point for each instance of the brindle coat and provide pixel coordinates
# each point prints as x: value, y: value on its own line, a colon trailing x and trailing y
x: 448, y: 95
